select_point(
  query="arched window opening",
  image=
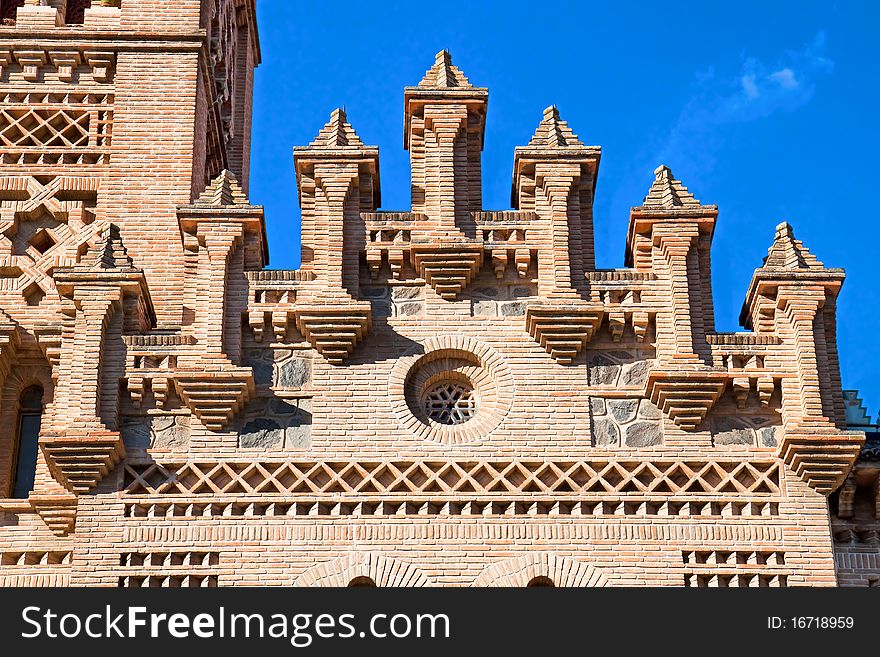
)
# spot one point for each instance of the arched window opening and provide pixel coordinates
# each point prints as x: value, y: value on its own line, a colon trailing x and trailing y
x: 361, y: 582
x: 540, y: 581
x: 30, y: 410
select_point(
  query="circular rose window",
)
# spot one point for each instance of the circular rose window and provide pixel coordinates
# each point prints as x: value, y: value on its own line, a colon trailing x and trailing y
x: 451, y: 402
x: 457, y: 390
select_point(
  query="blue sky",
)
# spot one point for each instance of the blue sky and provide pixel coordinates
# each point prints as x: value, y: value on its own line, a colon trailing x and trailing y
x: 768, y: 110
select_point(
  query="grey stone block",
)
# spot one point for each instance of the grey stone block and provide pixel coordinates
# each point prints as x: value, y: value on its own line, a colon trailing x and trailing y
x: 605, y: 432
x: 483, y: 309
x: 411, y: 309
x: 294, y: 373
x: 623, y: 410
x: 597, y: 406
x: 514, y: 309
x: 406, y: 292
x: 644, y: 434
x: 298, y: 437
x: 648, y: 410
x: 136, y: 433
x: 262, y: 372
x: 769, y: 436
x: 635, y: 374
x: 741, y: 436
x: 603, y: 371
x: 170, y: 432
x: 261, y: 432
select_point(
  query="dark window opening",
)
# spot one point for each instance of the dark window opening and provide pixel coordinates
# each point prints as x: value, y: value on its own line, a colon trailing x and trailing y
x: 8, y: 9
x: 76, y: 11
x: 34, y: 294
x: 540, y: 581
x: 361, y: 581
x: 30, y: 410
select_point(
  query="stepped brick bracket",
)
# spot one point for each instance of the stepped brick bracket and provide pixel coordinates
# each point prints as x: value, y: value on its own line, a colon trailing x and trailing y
x: 214, y: 392
x: 820, y: 456
x: 686, y: 397
x: 81, y: 461
x: 448, y: 267
x: 563, y: 329
x: 334, y: 329
x: 794, y: 295
x: 57, y: 510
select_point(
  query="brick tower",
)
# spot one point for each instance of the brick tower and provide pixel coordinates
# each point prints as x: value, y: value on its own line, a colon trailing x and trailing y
x: 441, y: 396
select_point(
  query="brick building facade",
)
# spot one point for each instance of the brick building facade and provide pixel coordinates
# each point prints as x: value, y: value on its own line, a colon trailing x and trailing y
x: 441, y: 396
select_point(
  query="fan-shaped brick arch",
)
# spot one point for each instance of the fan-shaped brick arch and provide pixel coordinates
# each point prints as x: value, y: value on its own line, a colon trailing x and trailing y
x: 562, y: 571
x: 383, y: 570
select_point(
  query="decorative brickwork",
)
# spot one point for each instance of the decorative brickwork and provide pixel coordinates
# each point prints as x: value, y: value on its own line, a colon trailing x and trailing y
x: 443, y: 395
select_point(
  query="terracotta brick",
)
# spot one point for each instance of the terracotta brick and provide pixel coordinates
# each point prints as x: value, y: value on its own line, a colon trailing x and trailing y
x: 447, y: 395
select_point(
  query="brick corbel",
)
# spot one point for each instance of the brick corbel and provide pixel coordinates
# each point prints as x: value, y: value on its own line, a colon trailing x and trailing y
x: 31, y: 61
x: 6, y: 58
x: 102, y: 64
x: 66, y: 62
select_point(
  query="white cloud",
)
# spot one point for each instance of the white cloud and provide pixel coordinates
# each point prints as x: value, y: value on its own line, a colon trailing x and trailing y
x: 757, y: 90
x: 750, y: 89
x: 785, y: 78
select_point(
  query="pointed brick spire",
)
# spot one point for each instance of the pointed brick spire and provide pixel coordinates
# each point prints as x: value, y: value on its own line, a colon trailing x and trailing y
x: 788, y: 252
x: 337, y: 133
x: 110, y: 252
x: 443, y: 75
x: 553, y: 132
x: 223, y: 190
x: 666, y: 192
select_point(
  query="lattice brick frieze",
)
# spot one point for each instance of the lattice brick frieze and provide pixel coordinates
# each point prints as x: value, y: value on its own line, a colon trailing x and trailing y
x: 55, y: 128
x: 169, y: 559
x: 606, y: 506
x: 161, y: 580
x: 735, y: 568
x: 454, y: 478
x: 168, y: 569
x: 35, y: 557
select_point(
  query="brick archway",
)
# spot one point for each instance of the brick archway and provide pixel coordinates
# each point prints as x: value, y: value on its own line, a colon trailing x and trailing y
x: 562, y: 571
x: 383, y: 570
